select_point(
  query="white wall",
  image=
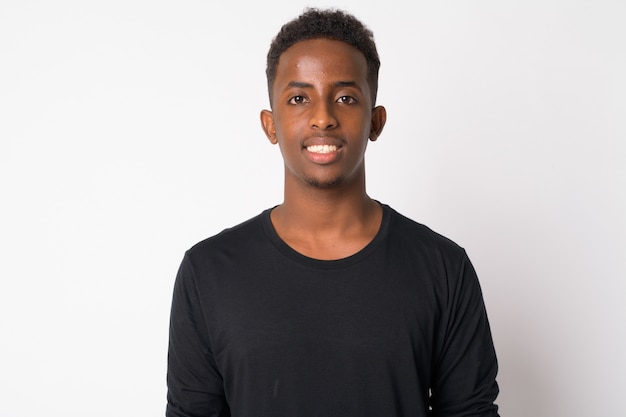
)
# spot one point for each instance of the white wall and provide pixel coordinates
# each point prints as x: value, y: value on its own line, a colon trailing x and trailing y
x: 129, y: 131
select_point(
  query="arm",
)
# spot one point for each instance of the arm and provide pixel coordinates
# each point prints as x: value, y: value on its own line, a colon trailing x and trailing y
x: 464, y: 372
x: 195, y: 386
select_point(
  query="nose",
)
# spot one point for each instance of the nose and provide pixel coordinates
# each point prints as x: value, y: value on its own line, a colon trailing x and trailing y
x: 322, y: 116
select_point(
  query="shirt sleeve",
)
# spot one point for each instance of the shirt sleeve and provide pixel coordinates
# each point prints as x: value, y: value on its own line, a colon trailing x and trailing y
x: 195, y: 385
x: 464, y: 372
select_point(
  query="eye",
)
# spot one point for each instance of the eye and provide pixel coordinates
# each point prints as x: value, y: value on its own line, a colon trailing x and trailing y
x: 297, y: 100
x: 346, y: 100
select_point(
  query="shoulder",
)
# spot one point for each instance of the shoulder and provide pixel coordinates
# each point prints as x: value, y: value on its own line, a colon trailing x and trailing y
x: 409, y: 233
x: 232, y: 240
x: 433, y: 256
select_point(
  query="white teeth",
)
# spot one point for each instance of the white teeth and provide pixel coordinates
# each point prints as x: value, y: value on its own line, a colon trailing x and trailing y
x: 321, y: 148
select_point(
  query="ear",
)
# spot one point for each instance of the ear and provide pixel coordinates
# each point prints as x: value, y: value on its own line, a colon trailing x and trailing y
x: 379, y: 118
x: 267, y: 122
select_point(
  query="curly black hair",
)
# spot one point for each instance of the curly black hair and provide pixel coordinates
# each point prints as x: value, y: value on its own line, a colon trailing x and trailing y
x: 332, y: 24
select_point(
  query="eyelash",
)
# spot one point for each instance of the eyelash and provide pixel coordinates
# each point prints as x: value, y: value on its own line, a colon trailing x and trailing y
x: 350, y: 99
x: 292, y: 100
x: 342, y: 99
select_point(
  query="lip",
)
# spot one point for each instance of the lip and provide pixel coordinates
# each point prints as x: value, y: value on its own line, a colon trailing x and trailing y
x: 322, y: 140
x: 328, y: 149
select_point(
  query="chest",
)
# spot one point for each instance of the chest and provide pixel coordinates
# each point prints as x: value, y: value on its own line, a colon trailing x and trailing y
x: 303, y: 317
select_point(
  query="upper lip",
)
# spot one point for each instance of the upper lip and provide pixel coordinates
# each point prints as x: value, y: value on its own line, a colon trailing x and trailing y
x: 322, y: 140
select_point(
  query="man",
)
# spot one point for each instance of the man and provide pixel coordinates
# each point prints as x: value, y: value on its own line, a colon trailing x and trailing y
x: 331, y: 303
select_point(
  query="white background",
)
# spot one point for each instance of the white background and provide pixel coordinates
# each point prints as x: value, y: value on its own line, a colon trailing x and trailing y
x: 129, y: 130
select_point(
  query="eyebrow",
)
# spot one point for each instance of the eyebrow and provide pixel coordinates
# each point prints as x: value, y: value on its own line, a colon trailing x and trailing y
x: 346, y: 84
x: 300, y: 84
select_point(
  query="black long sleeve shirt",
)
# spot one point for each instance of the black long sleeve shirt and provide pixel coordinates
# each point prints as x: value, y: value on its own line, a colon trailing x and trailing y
x: 397, y: 329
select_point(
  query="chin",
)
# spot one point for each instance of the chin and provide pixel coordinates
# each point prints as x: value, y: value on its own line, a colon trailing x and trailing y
x: 325, y: 183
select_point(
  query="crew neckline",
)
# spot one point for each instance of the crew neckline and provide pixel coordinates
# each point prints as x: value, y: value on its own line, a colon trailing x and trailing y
x: 307, y: 261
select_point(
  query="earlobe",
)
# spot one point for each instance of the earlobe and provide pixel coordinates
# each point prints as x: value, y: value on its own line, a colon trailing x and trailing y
x: 379, y: 118
x: 267, y: 123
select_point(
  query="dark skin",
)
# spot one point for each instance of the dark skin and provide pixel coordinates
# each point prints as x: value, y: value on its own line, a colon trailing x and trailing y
x: 322, y: 119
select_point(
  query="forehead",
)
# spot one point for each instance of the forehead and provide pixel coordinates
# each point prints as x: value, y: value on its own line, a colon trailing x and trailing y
x: 322, y: 57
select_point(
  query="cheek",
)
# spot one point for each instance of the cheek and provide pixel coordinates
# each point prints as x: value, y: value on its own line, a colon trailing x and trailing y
x: 285, y: 126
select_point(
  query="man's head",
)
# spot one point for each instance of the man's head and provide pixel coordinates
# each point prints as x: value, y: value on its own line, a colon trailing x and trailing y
x: 329, y: 24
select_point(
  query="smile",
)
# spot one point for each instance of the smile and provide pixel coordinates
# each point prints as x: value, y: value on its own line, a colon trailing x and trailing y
x: 321, y: 148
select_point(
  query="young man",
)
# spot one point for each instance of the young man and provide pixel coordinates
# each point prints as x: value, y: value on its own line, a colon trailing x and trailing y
x: 331, y: 303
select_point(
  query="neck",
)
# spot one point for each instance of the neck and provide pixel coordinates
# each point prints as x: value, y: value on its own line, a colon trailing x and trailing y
x: 327, y: 223
x: 331, y: 208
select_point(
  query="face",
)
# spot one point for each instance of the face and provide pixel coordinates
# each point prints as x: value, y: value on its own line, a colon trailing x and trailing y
x: 322, y: 114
